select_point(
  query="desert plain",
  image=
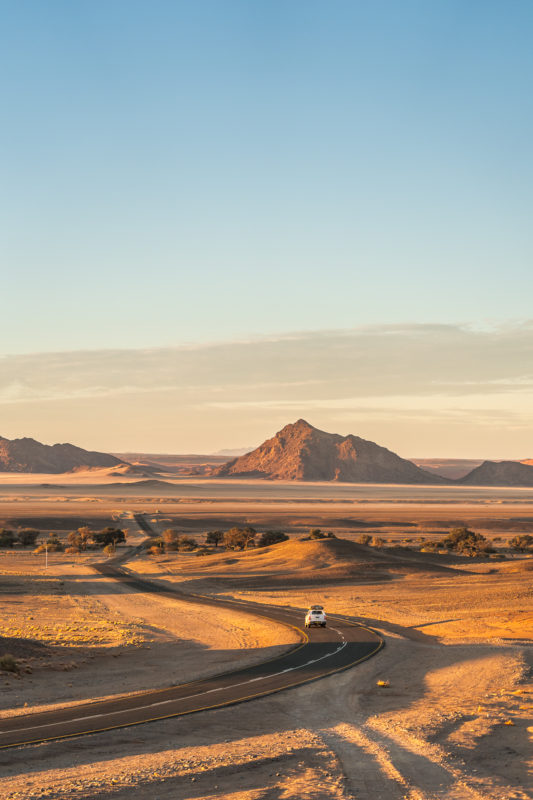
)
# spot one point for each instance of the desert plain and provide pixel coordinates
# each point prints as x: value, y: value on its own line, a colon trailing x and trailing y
x: 454, y: 719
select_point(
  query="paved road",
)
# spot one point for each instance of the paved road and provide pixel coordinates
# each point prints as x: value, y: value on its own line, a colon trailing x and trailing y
x: 322, y: 651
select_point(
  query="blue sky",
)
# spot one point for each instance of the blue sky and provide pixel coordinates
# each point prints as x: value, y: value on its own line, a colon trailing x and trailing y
x: 210, y: 172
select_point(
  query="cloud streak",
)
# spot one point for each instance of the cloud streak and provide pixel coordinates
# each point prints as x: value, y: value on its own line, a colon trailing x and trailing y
x: 382, y: 375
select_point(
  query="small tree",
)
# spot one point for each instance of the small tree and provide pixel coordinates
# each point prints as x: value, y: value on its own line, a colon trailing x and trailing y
x: 7, y: 538
x: 271, y: 537
x: 109, y: 536
x: 28, y: 536
x: 85, y: 538
x: 239, y: 538
x: 214, y: 537
x: 80, y: 540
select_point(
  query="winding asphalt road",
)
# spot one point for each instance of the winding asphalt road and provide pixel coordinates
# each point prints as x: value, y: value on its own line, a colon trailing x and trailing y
x: 321, y: 652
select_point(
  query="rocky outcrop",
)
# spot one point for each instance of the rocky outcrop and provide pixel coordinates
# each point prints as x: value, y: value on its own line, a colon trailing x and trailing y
x: 300, y: 452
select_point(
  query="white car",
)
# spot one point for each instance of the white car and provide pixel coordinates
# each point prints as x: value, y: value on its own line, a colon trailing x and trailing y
x: 315, y: 616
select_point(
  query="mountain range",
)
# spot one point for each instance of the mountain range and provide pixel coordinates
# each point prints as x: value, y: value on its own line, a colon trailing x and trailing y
x: 298, y: 452
x: 28, y: 455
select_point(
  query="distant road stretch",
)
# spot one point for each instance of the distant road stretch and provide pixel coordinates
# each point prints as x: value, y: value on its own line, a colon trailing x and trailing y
x: 322, y: 652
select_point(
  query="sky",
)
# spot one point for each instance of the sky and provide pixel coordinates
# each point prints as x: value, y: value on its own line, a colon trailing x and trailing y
x: 218, y: 217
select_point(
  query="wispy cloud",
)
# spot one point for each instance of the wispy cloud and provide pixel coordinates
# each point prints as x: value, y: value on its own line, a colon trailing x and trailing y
x: 370, y: 375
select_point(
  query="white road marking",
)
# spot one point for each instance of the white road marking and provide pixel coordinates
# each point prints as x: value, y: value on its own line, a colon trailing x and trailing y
x: 190, y: 696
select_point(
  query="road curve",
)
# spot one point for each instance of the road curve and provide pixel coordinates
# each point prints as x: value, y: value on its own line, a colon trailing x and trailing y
x: 322, y: 652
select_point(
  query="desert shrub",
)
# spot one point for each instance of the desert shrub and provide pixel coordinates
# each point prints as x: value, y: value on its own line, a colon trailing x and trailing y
x: 203, y: 551
x: 429, y: 546
x: 316, y: 533
x: 239, y: 538
x: 71, y: 551
x: 522, y: 543
x: 109, y: 536
x: 377, y: 541
x: 8, y: 663
x: 7, y: 538
x: 170, y: 539
x: 55, y: 545
x: 365, y: 538
x: 271, y: 537
x: 186, y: 543
x: 463, y: 540
x: 110, y: 549
x: 52, y: 545
x: 214, y: 537
x: 497, y: 539
x: 154, y: 544
x: 28, y: 536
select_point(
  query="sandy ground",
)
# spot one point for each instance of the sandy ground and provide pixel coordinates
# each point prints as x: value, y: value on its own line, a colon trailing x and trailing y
x: 397, y: 512
x: 456, y: 721
x: 90, y: 637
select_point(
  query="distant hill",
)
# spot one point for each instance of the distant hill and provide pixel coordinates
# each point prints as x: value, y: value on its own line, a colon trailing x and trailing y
x: 448, y: 467
x: 28, y: 455
x: 499, y: 473
x: 301, y: 452
x: 237, y: 451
